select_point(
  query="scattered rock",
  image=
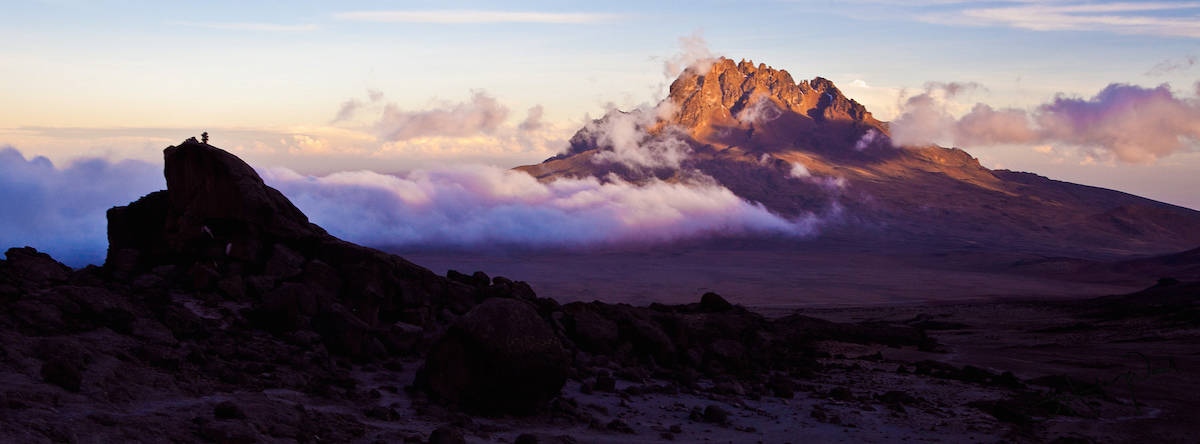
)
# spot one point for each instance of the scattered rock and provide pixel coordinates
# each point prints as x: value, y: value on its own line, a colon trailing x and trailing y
x: 228, y: 410
x: 62, y: 372
x: 617, y: 425
x: 716, y: 415
x: 604, y: 382
x: 713, y: 303
x: 446, y: 435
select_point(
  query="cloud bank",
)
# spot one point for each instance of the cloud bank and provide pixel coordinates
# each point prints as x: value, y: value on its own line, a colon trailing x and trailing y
x: 473, y: 206
x: 62, y: 210
x: 1129, y: 123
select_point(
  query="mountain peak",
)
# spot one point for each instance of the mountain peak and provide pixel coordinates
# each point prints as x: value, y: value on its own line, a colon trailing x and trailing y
x: 741, y: 94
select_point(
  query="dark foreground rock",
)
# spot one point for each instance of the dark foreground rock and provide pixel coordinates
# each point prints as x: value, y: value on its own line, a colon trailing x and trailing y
x: 501, y: 357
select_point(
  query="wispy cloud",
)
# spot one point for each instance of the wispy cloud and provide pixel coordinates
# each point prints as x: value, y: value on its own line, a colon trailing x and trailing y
x: 1173, y: 19
x: 475, y: 16
x: 475, y: 205
x: 246, y: 26
x: 1172, y: 65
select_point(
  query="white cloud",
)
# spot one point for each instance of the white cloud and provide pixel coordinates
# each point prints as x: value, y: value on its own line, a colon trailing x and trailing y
x: 241, y: 26
x: 474, y: 205
x: 760, y: 111
x: 533, y: 119
x: 693, y: 54
x: 799, y: 171
x: 1145, y: 18
x: 625, y: 138
x: 476, y: 16
x: 869, y: 139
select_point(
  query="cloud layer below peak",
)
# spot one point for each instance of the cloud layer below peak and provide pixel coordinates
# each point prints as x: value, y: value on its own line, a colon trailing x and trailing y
x: 476, y: 205
x: 61, y: 210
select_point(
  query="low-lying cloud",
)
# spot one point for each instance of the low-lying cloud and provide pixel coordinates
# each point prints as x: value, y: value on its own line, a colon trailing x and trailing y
x: 477, y: 205
x: 626, y: 138
x: 1126, y: 122
x: 61, y: 210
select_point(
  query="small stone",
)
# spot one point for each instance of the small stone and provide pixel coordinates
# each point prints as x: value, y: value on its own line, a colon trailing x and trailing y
x: 228, y: 410
x: 715, y: 415
x: 620, y: 426
x: 62, y: 373
x: 446, y: 435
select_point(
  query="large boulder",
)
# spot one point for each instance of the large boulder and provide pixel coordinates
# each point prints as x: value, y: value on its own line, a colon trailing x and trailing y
x: 215, y: 206
x: 27, y: 268
x: 499, y: 358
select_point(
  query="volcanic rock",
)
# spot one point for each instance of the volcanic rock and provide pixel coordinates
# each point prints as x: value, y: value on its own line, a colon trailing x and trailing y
x: 243, y: 238
x: 63, y: 373
x: 446, y: 435
x: 712, y: 303
x: 501, y: 357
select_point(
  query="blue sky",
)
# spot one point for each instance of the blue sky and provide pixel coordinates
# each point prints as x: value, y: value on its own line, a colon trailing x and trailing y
x: 121, y: 79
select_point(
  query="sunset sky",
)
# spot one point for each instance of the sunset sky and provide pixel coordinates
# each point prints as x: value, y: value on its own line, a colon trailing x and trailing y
x: 391, y: 86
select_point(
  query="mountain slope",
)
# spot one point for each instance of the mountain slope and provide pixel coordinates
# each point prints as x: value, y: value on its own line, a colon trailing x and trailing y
x: 805, y: 148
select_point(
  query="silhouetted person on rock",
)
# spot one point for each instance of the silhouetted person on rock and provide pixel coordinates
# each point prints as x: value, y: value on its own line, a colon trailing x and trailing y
x: 204, y: 137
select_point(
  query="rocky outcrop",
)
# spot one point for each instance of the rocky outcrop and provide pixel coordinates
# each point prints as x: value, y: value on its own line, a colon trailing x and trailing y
x: 713, y: 338
x: 223, y: 232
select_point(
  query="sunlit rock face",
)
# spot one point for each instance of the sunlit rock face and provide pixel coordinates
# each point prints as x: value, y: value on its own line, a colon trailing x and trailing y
x: 741, y: 95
